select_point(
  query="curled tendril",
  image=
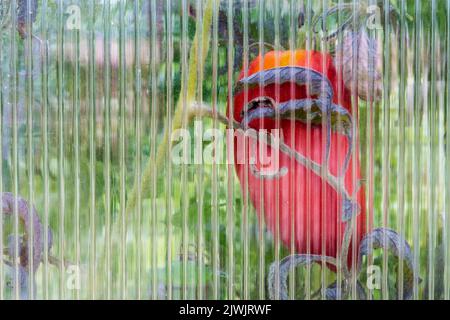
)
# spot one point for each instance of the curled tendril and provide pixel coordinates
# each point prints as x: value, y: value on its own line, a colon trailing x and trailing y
x: 320, y: 20
x: 33, y: 230
x: 278, y: 274
x: 318, y: 84
x: 333, y: 292
x: 389, y: 240
x: 306, y: 110
x: 383, y: 238
x: 351, y: 22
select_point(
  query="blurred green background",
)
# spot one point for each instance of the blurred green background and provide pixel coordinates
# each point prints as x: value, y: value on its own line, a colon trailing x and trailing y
x: 95, y: 125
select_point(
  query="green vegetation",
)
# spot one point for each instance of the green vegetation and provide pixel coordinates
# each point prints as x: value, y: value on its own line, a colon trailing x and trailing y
x: 194, y: 230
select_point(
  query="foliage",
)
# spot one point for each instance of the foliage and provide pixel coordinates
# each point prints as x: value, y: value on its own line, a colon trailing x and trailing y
x: 78, y: 191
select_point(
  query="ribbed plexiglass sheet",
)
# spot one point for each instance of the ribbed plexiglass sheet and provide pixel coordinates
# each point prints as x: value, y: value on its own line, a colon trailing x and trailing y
x: 234, y: 149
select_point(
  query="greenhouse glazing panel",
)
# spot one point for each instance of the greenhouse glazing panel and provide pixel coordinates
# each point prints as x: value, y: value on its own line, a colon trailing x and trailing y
x: 252, y: 149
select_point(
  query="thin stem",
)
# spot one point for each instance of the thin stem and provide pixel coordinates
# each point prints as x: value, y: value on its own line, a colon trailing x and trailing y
x: 203, y: 35
x: 333, y: 181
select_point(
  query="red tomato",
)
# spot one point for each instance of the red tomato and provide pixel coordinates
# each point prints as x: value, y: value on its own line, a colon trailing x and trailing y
x: 306, y: 205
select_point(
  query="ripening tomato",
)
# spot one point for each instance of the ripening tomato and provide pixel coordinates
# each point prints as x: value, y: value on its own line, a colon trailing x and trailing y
x: 309, y: 208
